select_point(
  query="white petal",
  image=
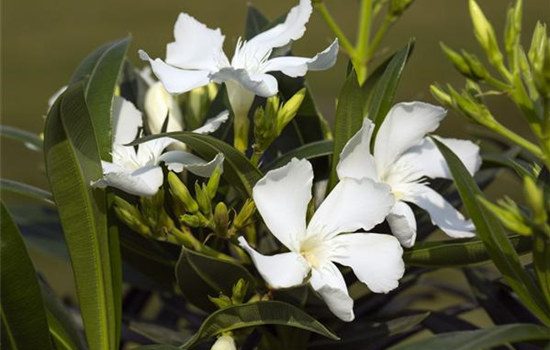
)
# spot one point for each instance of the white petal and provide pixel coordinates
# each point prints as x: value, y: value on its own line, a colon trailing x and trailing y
x: 179, y: 160
x: 282, y: 197
x: 143, y: 182
x: 280, y: 270
x: 196, y: 45
x: 159, y: 104
x: 127, y: 120
x: 212, y: 124
x: 430, y: 162
x: 55, y: 96
x: 298, y: 66
x: 329, y: 283
x: 404, y: 127
x: 356, y: 160
x: 403, y: 224
x: 149, y: 152
x: 442, y: 213
x: 376, y: 259
x: 176, y: 80
x: 263, y: 85
x: 352, y: 205
x: 293, y: 28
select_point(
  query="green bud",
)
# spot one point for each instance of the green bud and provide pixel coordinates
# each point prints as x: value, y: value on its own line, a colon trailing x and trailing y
x: 214, y: 182
x: 221, y: 218
x: 485, y: 34
x: 135, y: 223
x: 513, y: 27
x: 203, y: 199
x: 190, y: 220
x: 397, y: 7
x: 538, y: 46
x: 457, y: 60
x: 289, y: 110
x: 180, y: 191
x: 477, y: 68
x: 239, y: 291
x: 222, y: 301
x: 244, y: 216
x: 474, y: 91
x: 509, y: 215
x: 122, y: 204
x: 440, y: 95
x: 534, y: 196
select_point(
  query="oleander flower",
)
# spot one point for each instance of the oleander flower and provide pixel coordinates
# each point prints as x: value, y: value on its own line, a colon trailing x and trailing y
x: 138, y: 171
x: 196, y: 58
x: 282, y: 198
x: 403, y: 157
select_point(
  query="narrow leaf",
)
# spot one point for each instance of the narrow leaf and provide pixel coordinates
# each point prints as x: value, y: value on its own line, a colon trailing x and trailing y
x: 33, y: 141
x: 26, y: 190
x: 307, y: 151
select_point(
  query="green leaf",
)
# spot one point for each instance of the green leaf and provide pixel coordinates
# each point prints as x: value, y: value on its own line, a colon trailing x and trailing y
x: 157, y: 347
x: 497, y: 243
x: 386, y: 87
x: 257, y: 314
x: 31, y: 140
x: 24, y: 324
x: 160, y: 334
x: 349, y: 118
x: 200, y: 276
x: 238, y: 170
x: 101, y: 70
x: 26, y: 190
x: 72, y: 163
x: 256, y: 22
x: 480, y: 339
x: 457, y: 252
x: 308, y: 151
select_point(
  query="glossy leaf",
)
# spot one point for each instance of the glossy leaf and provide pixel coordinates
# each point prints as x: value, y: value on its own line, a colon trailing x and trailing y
x: 308, y: 151
x: 257, y: 314
x: 24, y: 323
x: 200, y: 276
x: 238, y: 170
x: 26, y: 190
x: 160, y: 334
x: 480, y: 339
x: 457, y: 252
x: 384, y: 92
x: 72, y: 163
x: 497, y: 243
x: 33, y: 141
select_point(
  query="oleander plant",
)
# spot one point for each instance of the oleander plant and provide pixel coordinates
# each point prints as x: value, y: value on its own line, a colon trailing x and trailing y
x: 203, y: 202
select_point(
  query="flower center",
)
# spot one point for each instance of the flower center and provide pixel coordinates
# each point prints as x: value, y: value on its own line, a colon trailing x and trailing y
x: 315, y: 250
x: 249, y: 59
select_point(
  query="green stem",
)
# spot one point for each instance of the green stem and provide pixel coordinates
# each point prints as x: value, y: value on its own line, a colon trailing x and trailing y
x: 512, y: 136
x: 342, y: 39
x: 256, y: 156
x: 379, y: 36
x: 364, y: 29
x: 189, y: 241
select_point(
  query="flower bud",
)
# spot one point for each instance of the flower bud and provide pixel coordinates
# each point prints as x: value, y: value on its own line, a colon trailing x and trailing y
x: 289, y: 110
x: 221, y: 302
x: 239, y: 291
x: 513, y: 27
x: 534, y: 197
x: 397, y: 7
x: 477, y: 68
x: 509, y: 215
x: 245, y: 215
x: 135, y: 223
x: 221, y: 218
x: 485, y: 34
x: 441, y: 96
x: 203, y: 199
x: 180, y: 191
x: 190, y: 220
x: 457, y: 60
x: 225, y: 342
x: 214, y: 182
x: 159, y: 105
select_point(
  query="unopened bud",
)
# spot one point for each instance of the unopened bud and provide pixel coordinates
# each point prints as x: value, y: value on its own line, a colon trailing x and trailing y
x: 135, y: 223
x: 203, y: 199
x: 513, y: 27
x: 214, y: 182
x: 457, y: 60
x: 222, y: 301
x: 485, y: 33
x: 245, y: 215
x: 289, y: 109
x: 534, y: 196
x: 224, y: 342
x: 441, y: 96
x: 180, y: 191
x: 397, y: 7
x: 477, y: 69
x: 509, y: 215
x: 221, y: 218
x: 190, y: 220
x: 239, y: 291
x: 159, y: 105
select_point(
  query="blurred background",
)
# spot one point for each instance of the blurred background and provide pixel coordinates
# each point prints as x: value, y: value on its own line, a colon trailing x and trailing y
x: 43, y: 41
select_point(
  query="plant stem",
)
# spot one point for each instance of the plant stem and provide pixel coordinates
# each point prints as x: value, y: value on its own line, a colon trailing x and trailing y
x: 364, y: 29
x: 512, y: 136
x: 342, y: 39
x: 256, y: 156
x: 379, y: 36
x: 189, y: 241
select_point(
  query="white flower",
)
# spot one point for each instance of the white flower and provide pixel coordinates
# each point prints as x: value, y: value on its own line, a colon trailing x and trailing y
x: 196, y: 58
x: 224, y: 342
x: 402, y: 158
x: 139, y: 172
x: 282, y: 198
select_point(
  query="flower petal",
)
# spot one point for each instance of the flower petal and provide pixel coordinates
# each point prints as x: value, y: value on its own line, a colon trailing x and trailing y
x: 282, y: 197
x: 212, y: 124
x: 149, y: 152
x: 404, y: 127
x: 179, y: 160
x: 298, y: 66
x: 356, y: 160
x: 293, y: 28
x: 176, y: 80
x: 376, y: 259
x: 403, y: 224
x: 143, y: 182
x: 159, y: 104
x: 196, y: 45
x: 280, y: 270
x: 127, y: 120
x: 352, y: 205
x: 328, y: 281
x: 263, y: 85
x: 430, y: 162
x: 442, y: 213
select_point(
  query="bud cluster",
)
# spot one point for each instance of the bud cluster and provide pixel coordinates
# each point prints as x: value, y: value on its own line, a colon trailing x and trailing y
x: 238, y: 293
